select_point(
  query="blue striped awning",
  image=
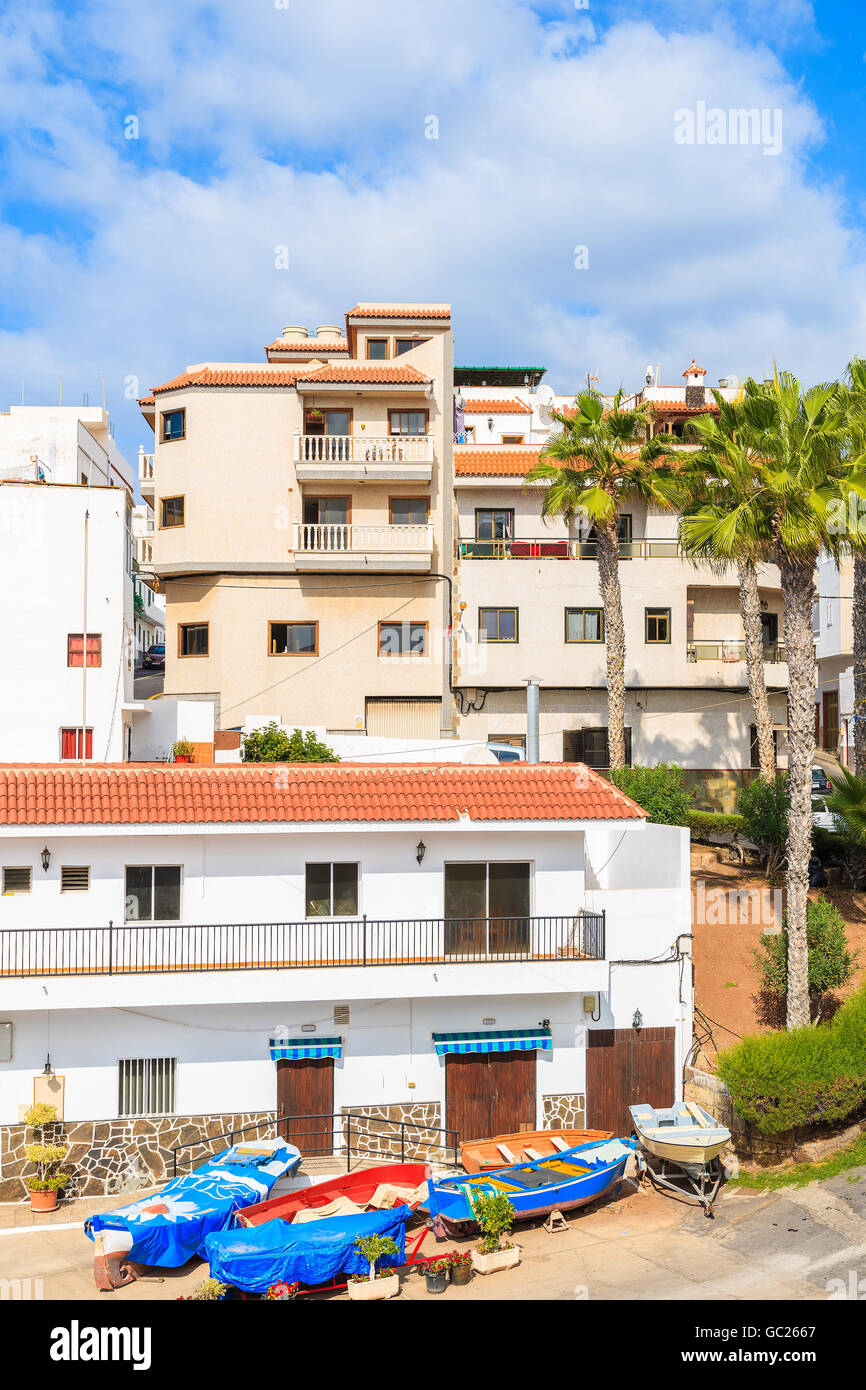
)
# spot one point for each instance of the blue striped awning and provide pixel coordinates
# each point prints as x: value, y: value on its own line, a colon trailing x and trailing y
x: 513, y: 1040
x: 293, y: 1049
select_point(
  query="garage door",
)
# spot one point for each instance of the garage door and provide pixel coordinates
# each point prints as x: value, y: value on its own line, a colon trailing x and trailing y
x: 404, y: 718
x: 489, y: 1093
x: 627, y: 1066
x: 305, y: 1091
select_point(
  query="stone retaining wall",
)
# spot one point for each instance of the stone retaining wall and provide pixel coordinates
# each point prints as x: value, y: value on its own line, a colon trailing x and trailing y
x: 564, y: 1112
x: 375, y: 1130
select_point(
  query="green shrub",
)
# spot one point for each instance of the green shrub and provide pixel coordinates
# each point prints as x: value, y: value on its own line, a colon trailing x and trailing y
x: 764, y: 807
x: 705, y: 823
x: 659, y: 790
x: 273, y: 745
x: 807, y: 1076
x: 831, y: 963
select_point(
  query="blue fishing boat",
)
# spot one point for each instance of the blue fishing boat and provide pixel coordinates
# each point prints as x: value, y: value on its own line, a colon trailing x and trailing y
x: 562, y: 1183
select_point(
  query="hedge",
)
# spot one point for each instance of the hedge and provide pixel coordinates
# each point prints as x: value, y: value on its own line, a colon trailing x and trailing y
x: 714, y: 823
x: 659, y: 790
x: 808, y: 1076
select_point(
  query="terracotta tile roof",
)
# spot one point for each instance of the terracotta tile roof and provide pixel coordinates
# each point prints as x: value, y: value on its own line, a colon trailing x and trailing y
x: 400, y: 311
x: 481, y: 462
x: 157, y: 793
x: 319, y: 347
x: 208, y: 376
x: 683, y: 409
x: 365, y: 372
x: 701, y: 371
x: 511, y: 406
x: 146, y: 400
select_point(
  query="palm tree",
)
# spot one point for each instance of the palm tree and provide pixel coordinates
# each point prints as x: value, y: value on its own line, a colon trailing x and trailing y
x: 848, y: 801
x: 725, y: 450
x: 600, y: 456
x: 800, y: 476
x: 855, y: 402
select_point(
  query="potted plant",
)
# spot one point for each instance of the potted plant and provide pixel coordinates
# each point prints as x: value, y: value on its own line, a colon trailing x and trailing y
x: 282, y: 1292
x: 182, y: 751
x: 208, y: 1291
x: 461, y: 1266
x: 45, y: 1184
x: 384, y: 1284
x: 436, y: 1271
x: 494, y: 1215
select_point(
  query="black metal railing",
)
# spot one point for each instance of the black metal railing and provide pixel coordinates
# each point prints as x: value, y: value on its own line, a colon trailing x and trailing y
x: 349, y: 1136
x: 141, y: 948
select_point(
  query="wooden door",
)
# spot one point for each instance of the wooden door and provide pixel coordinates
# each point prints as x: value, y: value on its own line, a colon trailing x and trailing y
x: 305, y: 1090
x: 489, y: 1093
x: 831, y: 721
x: 627, y: 1066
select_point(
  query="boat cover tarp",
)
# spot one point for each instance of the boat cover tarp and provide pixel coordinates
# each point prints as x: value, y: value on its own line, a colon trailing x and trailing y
x: 170, y: 1226
x: 254, y: 1257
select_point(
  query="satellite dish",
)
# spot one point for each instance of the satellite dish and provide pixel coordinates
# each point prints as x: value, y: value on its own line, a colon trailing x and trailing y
x: 544, y: 403
x: 650, y: 375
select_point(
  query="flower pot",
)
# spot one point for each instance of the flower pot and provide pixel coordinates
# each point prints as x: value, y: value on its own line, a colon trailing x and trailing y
x: 370, y: 1290
x: 461, y: 1274
x: 497, y: 1259
x: 436, y: 1283
x: 183, y: 758
x: 42, y: 1201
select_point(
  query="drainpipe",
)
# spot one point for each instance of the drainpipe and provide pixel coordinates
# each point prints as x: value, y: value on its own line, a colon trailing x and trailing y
x: 532, y: 721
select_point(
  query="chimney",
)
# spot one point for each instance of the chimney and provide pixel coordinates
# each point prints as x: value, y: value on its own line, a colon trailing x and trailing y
x: 694, y: 379
x: 532, y: 721
x: 329, y: 332
x: 293, y: 333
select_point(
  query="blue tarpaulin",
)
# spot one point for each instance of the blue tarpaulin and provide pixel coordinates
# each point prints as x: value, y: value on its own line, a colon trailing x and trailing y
x: 316, y: 1252
x: 171, y: 1225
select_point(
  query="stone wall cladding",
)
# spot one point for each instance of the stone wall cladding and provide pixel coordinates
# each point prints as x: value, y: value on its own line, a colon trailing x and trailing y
x: 375, y: 1130
x: 120, y: 1156
x: 564, y: 1112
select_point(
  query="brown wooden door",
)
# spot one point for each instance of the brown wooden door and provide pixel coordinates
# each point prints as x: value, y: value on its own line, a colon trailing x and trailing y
x: 305, y: 1089
x: 627, y: 1066
x: 489, y: 1093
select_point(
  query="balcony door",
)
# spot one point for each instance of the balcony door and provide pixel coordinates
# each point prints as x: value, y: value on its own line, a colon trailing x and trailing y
x: 487, y: 909
x: 328, y: 422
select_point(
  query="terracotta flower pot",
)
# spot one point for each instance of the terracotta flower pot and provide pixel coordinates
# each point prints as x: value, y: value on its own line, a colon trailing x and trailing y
x: 183, y: 758
x: 42, y: 1201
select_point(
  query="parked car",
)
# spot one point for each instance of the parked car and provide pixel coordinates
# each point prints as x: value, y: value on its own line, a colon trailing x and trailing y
x: 155, y: 656
x: 820, y: 781
x: 507, y: 752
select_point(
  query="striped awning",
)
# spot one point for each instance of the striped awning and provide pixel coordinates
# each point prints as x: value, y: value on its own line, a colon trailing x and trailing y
x: 293, y: 1049
x: 512, y: 1040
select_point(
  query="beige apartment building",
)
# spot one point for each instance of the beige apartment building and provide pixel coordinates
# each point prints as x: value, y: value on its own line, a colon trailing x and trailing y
x: 304, y: 534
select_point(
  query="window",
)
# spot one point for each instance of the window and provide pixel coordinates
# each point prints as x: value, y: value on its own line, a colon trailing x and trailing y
x: 146, y: 1085
x: 754, y: 757
x: 497, y: 624
x: 17, y: 880
x: 293, y: 639
x: 486, y: 908
x: 330, y: 511
x: 152, y: 893
x: 332, y: 890
x: 377, y: 349
x: 70, y: 743
x: 192, y: 639
x: 173, y: 425
x: 407, y: 421
x: 658, y: 624
x: 590, y: 746
x: 330, y: 422
x: 402, y: 345
x: 402, y: 639
x: 584, y: 624
x: 75, y: 649
x: 74, y: 878
x: 409, y: 511
x: 171, y: 512
x: 513, y: 438
x: 494, y: 524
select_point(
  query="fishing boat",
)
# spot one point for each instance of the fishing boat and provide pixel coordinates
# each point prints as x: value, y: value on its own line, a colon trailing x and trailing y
x: 573, y: 1179
x: 349, y: 1194
x: 683, y: 1132
x: 482, y: 1155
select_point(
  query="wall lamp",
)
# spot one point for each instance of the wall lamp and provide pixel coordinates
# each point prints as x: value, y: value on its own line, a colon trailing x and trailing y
x: 48, y: 1070
x: 637, y: 1020
x: 46, y: 858
x: 420, y: 850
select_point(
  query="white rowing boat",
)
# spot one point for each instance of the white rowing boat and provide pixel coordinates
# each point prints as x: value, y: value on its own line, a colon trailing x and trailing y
x: 683, y: 1133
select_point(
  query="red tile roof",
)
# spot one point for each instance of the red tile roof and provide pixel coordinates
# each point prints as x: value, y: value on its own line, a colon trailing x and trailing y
x: 208, y: 376
x: 400, y: 311
x: 504, y: 407
x: 701, y: 371
x: 146, y: 400
x: 486, y: 462
x: 364, y: 372
x: 167, y: 794
x: 320, y: 347
x: 683, y: 409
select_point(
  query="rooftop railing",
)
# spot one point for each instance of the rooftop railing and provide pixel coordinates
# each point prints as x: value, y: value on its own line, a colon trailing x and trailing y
x: 548, y: 548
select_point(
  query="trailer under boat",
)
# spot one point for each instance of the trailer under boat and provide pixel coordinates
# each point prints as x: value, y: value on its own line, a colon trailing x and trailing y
x: 571, y: 1180
x: 687, y: 1136
x: 484, y: 1155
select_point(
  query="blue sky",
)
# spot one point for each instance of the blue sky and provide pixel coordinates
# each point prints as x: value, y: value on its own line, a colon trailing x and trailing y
x: 305, y: 124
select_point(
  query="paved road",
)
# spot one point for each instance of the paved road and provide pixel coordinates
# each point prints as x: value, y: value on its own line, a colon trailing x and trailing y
x: 147, y: 683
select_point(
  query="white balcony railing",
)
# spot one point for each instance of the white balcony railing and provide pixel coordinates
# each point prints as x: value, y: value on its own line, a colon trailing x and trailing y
x: 322, y: 538
x: 145, y: 466
x: 362, y: 448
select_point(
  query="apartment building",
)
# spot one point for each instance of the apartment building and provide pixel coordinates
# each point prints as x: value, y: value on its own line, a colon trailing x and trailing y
x: 530, y: 604
x: 149, y: 604
x: 66, y: 595
x: 833, y: 626
x: 303, y: 526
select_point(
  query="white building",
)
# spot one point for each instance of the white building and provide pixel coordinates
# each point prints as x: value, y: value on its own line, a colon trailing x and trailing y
x: 66, y: 597
x: 833, y: 626
x: 149, y: 604
x: 528, y: 916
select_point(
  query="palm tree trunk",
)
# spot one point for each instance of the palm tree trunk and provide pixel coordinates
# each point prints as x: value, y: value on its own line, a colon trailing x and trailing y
x: 798, y: 592
x: 860, y: 664
x: 750, y: 609
x: 614, y: 636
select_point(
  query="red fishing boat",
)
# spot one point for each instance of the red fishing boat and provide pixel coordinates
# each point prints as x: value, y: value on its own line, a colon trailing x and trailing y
x: 387, y: 1185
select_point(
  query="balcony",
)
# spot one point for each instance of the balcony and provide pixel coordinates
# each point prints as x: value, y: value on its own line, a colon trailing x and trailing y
x: 348, y: 942
x: 346, y: 547
x: 358, y: 458
x: 707, y: 649
x: 146, y: 483
x: 547, y: 548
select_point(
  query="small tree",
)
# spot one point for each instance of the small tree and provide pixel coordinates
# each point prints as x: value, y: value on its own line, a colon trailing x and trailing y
x: 831, y: 963
x: 659, y: 790
x: 764, y: 807
x: 47, y: 1158
x: 494, y: 1215
x: 273, y: 745
x: 373, y: 1248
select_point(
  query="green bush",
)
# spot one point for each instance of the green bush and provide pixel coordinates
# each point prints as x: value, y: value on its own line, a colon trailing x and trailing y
x: 659, y: 790
x: 764, y: 807
x: 273, y: 745
x: 831, y: 963
x: 705, y: 823
x: 807, y: 1076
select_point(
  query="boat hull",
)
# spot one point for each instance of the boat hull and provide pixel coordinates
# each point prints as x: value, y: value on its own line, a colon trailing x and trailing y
x: 482, y: 1155
x: 359, y: 1187
x: 684, y: 1153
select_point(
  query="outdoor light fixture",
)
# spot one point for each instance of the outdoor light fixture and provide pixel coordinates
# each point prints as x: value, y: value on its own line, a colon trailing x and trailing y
x: 490, y: 422
x: 48, y: 1070
x: 637, y: 1020
x: 420, y: 850
x: 46, y: 858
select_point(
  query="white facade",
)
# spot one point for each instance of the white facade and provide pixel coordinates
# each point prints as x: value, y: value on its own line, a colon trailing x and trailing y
x: 61, y: 444
x: 833, y: 626
x: 149, y: 605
